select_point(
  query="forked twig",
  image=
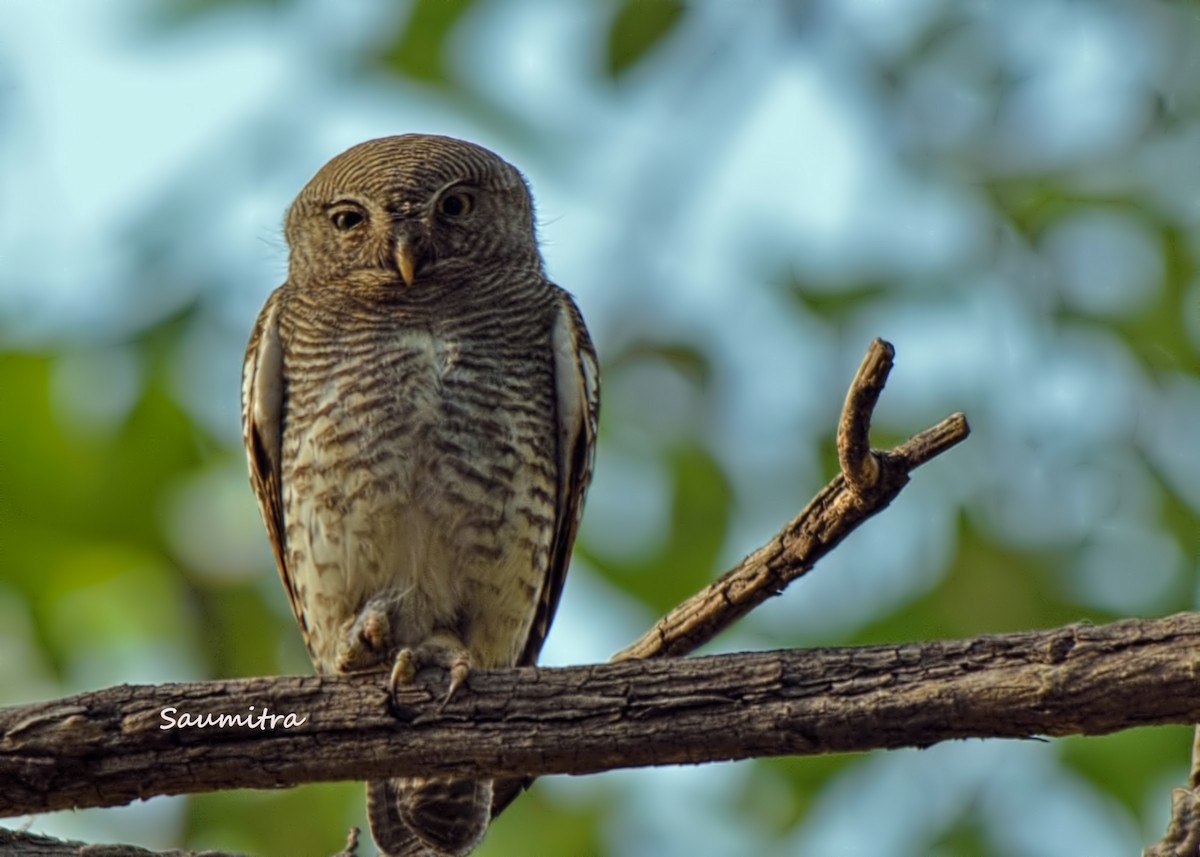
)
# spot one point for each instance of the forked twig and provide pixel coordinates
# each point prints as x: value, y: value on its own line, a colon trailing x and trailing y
x: 869, y: 481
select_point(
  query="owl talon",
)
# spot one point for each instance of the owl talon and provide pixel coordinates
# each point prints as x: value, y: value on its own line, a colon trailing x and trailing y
x: 404, y: 670
x: 364, y: 640
x: 460, y: 668
x: 433, y: 653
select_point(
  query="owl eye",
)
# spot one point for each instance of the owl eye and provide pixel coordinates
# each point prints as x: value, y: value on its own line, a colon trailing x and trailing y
x: 346, y: 219
x: 457, y: 203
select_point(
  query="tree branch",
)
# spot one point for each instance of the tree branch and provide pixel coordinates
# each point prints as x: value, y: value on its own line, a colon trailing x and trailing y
x: 21, y: 843
x: 109, y: 747
x: 839, y: 508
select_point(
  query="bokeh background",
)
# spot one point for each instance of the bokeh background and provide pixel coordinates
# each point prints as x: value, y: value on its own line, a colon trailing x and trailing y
x: 741, y: 195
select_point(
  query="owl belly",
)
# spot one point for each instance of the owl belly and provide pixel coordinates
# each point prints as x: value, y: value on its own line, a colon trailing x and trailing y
x: 406, y: 486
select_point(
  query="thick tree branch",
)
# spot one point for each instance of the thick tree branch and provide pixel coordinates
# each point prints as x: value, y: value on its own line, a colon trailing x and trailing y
x: 109, y: 747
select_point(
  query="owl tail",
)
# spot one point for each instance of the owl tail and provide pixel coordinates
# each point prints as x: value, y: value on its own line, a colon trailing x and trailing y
x: 428, y: 817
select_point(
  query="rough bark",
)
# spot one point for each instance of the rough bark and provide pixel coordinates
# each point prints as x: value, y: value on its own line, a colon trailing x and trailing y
x: 109, y: 747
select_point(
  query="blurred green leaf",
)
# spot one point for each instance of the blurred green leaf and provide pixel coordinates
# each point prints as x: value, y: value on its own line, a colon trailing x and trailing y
x: 1032, y: 205
x: 312, y: 819
x: 964, y: 838
x: 81, y: 509
x: 690, y: 361
x: 177, y: 13
x: 784, y: 789
x: 536, y: 824
x: 242, y: 634
x: 1178, y: 517
x: 419, y: 53
x: 1158, y: 334
x: 1129, y: 765
x: 113, y: 593
x: 637, y: 27
x: 990, y: 588
x: 834, y: 304
x: 701, y: 508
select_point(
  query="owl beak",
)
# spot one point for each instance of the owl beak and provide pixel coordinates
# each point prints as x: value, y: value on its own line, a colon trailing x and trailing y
x: 406, y: 262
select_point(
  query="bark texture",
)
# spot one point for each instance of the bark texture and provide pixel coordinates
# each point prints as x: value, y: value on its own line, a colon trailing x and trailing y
x: 109, y: 747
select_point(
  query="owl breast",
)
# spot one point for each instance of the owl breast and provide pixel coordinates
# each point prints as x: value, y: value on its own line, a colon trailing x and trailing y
x: 417, y: 469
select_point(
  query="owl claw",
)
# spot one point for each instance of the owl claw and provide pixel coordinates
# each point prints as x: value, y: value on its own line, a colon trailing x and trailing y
x: 364, y: 640
x: 432, y: 653
x: 404, y: 670
x: 460, y: 668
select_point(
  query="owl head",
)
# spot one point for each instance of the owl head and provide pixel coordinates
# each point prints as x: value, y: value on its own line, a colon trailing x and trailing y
x: 400, y: 211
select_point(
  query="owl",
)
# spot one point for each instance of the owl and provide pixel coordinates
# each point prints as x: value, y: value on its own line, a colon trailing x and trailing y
x: 419, y: 408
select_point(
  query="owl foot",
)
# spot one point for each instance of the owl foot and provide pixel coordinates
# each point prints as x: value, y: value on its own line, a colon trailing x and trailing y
x: 443, y: 651
x: 364, y: 640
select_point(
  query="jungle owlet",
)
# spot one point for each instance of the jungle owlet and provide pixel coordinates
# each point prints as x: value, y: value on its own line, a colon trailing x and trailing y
x: 419, y: 411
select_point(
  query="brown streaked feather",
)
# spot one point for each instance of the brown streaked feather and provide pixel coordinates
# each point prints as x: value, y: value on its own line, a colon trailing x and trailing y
x: 262, y: 432
x: 393, y: 837
x: 577, y: 374
x: 577, y: 403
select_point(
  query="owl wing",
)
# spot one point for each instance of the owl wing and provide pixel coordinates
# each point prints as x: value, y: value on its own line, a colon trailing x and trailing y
x: 577, y: 400
x: 262, y: 432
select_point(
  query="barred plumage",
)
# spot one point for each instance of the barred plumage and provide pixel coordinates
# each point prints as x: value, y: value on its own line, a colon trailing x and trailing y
x: 420, y: 408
